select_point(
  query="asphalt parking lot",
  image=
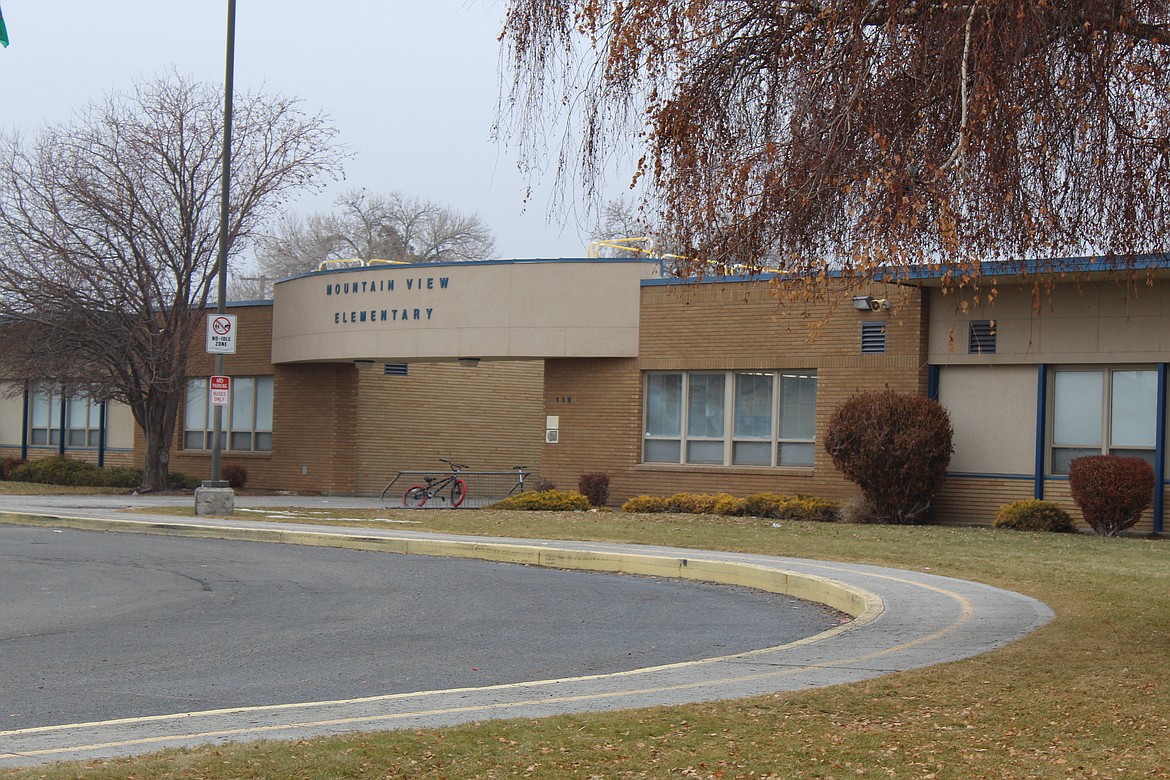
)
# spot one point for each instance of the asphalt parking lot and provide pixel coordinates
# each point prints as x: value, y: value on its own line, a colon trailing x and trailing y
x: 904, y: 620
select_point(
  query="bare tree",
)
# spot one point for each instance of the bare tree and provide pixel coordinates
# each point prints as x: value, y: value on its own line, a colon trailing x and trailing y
x: 858, y: 134
x: 367, y: 227
x: 109, y: 234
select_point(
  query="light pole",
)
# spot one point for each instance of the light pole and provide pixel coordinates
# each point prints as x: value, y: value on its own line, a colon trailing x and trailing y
x: 217, y: 496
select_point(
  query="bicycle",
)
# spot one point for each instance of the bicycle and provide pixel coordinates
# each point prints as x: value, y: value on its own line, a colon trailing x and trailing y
x: 416, y: 496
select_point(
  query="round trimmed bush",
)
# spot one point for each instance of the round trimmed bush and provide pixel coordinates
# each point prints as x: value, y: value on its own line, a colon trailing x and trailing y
x: 1034, y: 515
x: 1112, y: 491
x: 896, y: 447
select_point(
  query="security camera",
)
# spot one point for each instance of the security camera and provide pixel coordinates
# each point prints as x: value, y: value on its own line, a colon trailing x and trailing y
x: 877, y: 304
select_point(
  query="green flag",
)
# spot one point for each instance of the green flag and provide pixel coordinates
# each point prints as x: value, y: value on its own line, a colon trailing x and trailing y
x: 3, y: 32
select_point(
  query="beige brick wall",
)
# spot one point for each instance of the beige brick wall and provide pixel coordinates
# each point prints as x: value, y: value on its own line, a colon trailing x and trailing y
x: 723, y: 327
x: 487, y: 417
x: 340, y: 430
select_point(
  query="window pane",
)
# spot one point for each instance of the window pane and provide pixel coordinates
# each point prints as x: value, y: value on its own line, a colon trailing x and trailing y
x: 662, y: 451
x: 263, y: 404
x: 241, y: 441
x: 193, y: 440
x: 798, y: 406
x: 95, y: 414
x: 1146, y: 455
x: 243, y: 409
x: 705, y: 452
x: 1062, y: 456
x: 78, y: 411
x: 664, y: 405
x: 76, y: 437
x: 39, y: 436
x: 705, y: 409
x: 796, y: 454
x: 1076, y: 408
x: 753, y: 406
x: 1134, y: 408
x: 264, y: 442
x: 39, y: 415
x: 195, y: 416
x: 751, y: 453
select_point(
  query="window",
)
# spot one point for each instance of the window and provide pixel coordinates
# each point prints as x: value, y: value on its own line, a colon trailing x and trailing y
x: 83, y: 418
x: 1102, y: 412
x: 247, y: 420
x: 981, y: 338
x: 730, y: 418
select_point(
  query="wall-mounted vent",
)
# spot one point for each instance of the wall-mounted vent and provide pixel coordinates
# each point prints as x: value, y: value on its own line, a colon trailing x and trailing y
x: 394, y: 369
x: 873, y: 337
x: 981, y: 340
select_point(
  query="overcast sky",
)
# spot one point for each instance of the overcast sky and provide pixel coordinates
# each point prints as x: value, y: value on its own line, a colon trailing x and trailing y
x: 411, y: 85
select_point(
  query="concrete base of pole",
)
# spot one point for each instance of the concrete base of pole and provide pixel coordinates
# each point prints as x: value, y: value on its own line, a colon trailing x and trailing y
x: 214, y: 499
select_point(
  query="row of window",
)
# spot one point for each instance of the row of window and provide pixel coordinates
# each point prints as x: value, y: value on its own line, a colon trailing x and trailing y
x: 246, y: 421
x: 83, y: 418
x: 730, y: 418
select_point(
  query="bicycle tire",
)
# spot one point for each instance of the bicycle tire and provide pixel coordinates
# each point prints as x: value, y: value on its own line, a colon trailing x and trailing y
x: 415, y: 497
x: 458, y: 492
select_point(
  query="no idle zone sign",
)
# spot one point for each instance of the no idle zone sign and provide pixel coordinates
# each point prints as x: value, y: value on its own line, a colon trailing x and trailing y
x: 221, y: 334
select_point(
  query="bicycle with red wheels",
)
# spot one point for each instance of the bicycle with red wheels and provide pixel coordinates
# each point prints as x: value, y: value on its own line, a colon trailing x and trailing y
x: 451, y: 488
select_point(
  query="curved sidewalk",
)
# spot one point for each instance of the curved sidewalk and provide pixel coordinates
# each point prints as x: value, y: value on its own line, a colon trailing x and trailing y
x: 904, y: 620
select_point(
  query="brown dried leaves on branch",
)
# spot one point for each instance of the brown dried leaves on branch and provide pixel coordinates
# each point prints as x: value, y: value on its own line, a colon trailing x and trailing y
x: 862, y: 133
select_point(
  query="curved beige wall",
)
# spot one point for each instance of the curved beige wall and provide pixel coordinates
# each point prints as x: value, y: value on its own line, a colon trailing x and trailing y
x: 503, y: 310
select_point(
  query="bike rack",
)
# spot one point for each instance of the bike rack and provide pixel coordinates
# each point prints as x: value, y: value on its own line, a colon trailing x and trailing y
x: 498, y: 484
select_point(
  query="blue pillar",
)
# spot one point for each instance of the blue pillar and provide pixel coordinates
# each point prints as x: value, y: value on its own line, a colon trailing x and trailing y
x: 102, y: 436
x: 1041, y: 429
x: 24, y: 424
x: 932, y: 380
x: 1160, y: 451
x: 61, y: 435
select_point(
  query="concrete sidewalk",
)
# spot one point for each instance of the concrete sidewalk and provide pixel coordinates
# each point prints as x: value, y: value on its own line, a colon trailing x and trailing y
x: 903, y: 620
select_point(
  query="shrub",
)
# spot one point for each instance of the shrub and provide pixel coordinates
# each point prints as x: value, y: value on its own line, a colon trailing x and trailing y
x: 1112, y: 491
x: 547, y: 501
x: 235, y: 475
x: 810, y: 508
x: 58, y: 471
x: 645, y: 504
x: 121, y: 477
x: 543, y: 485
x: 182, y: 481
x: 731, y: 506
x: 9, y: 464
x: 896, y: 447
x: 595, y: 487
x: 858, y: 511
x: 1034, y: 515
x: 694, y: 503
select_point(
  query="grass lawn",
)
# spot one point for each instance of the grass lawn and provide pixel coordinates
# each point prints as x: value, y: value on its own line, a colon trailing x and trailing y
x: 1086, y: 696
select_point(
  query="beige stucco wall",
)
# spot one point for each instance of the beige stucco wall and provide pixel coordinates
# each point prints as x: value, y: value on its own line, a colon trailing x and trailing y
x: 521, y: 309
x: 993, y: 412
x: 1099, y: 322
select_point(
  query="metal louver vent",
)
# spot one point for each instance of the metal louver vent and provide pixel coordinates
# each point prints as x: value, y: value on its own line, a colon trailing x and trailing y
x: 981, y: 340
x: 873, y: 337
x: 394, y: 369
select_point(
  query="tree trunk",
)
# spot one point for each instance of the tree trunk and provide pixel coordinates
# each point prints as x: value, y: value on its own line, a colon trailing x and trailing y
x: 156, y: 417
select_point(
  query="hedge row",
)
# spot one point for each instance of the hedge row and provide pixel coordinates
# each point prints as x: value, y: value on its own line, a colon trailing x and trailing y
x: 64, y: 471
x: 777, y: 506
